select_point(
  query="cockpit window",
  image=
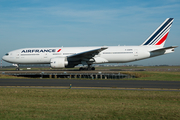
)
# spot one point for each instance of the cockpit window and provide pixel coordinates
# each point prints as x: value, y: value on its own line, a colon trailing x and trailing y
x: 7, y: 54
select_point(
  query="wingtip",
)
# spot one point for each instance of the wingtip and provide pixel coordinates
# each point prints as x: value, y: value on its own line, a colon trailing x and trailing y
x: 104, y: 47
x: 174, y: 46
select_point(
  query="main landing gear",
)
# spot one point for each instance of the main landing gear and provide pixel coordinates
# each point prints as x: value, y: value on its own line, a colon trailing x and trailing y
x: 87, y: 68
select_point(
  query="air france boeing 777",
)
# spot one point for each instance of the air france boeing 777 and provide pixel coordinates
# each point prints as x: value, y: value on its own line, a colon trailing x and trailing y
x: 69, y: 57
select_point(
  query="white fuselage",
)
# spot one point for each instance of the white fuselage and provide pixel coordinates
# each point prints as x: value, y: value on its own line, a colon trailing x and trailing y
x: 113, y: 54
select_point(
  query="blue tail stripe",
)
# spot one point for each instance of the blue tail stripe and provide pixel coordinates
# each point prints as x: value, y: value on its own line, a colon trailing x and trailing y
x: 160, y: 34
x: 158, y: 31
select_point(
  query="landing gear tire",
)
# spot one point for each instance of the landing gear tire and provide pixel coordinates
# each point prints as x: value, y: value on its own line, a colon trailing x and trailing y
x: 80, y: 69
x: 87, y: 68
x: 93, y: 68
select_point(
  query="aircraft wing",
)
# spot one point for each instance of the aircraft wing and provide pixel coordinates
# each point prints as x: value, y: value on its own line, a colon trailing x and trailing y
x: 166, y: 48
x: 87, y: 54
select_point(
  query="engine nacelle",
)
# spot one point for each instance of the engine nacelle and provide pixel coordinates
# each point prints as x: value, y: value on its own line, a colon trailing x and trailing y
x: 99, y: 60
x: 59, y: 62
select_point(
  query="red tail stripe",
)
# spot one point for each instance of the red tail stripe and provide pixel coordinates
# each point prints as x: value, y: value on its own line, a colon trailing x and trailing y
x: 59, y: 50
x: 162, y: 40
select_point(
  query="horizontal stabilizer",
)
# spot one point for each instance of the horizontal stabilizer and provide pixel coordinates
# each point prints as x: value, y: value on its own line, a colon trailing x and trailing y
x: 166, y: 48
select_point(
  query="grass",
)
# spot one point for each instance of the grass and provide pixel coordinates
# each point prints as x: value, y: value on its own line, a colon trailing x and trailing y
x: 11, y: 77
x: 159, y: 73
x: 30, y: 104
x: 140, y: 75
x: 154, y: 75
x: 140, y: 67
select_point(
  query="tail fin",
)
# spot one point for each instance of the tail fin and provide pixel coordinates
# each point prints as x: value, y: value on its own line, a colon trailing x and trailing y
x: 158, y: 37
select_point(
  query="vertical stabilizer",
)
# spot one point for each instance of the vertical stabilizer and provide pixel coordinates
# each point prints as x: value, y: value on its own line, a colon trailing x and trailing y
x: 158, y: 37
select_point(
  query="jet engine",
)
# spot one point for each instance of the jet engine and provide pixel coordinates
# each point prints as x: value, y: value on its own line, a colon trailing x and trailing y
x: 58, y: 62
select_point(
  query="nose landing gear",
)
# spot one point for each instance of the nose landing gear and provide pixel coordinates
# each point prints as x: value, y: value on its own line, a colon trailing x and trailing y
x: 17, y: 66
x: 17, y: 69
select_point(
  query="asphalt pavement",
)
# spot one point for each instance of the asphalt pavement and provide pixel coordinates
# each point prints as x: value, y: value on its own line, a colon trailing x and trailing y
x: 92, y: 83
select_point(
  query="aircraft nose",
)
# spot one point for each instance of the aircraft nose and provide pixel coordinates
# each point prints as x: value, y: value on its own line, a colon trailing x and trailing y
x: 4, y: 58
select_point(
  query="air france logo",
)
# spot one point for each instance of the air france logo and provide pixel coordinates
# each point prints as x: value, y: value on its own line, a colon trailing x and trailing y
x: 40, y: 50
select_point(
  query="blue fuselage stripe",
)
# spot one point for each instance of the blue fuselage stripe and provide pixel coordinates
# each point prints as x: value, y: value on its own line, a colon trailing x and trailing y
x: 160, y: 34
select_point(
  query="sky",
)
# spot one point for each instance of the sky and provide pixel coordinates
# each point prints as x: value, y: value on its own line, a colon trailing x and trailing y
x: 76, y: 23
